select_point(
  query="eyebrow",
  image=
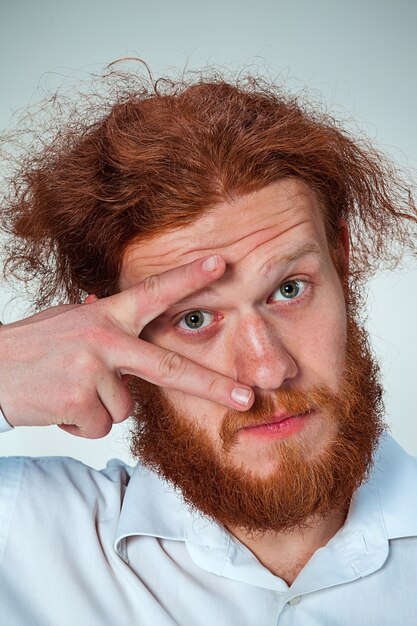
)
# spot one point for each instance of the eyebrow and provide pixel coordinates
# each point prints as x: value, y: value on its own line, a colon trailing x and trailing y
x: 294, y: 255
x: 286, y: 259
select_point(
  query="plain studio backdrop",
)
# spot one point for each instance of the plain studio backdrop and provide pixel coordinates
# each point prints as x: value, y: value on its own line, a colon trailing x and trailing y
x: 359, y: 55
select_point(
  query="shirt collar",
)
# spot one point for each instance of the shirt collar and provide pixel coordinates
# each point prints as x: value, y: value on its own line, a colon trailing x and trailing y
x: 383, y: 508
x: 151, y: 507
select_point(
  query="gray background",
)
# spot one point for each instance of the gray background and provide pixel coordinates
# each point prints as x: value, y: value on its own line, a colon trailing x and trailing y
x: 359, y: 55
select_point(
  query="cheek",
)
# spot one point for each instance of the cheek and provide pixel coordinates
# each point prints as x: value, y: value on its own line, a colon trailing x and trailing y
x: 327, y: 344
x: 203, y: 413
x: 198, y: 412
x: 215, y: 352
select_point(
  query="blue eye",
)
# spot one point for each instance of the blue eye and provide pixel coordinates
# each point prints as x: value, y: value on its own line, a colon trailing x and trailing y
x: 290, y: 290
x: 196, y: 320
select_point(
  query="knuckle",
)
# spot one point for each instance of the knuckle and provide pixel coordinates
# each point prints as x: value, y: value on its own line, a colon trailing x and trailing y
x: 172, y: 367
x: 83, y: 362
x: 216, y: 386
x: 152, y: 287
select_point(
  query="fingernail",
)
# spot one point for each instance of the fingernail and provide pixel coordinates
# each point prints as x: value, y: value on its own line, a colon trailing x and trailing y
x: 241, y: 395
x: 211, y: 263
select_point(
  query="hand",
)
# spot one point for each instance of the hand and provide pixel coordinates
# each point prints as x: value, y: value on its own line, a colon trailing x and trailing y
x: 69, y: 365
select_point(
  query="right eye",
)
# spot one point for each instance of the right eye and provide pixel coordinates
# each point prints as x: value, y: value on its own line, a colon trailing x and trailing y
x: 196, y: 320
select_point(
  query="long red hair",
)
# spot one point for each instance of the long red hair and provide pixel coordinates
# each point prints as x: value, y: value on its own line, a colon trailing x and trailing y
x: 158, y: 158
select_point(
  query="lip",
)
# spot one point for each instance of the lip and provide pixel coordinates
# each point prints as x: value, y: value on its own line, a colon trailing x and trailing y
x: 274, y: 419
x: 278, y: 425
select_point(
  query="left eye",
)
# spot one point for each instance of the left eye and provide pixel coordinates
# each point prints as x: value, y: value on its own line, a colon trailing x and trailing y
x: 290, y: 290
x: 195, y: 320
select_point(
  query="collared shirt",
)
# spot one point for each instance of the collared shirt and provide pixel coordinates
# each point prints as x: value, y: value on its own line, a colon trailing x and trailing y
x: 119, y: 547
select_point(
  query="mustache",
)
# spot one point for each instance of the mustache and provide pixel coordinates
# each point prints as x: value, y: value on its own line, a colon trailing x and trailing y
x: 291, y: 401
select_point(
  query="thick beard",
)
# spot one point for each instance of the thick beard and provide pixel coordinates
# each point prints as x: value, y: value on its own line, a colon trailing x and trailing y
x: 304, y: 485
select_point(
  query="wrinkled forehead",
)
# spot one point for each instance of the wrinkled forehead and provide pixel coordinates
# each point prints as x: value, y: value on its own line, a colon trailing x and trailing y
x: 284, y: 214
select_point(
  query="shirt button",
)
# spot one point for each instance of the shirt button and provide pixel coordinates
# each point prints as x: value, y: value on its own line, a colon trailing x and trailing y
x: 295, y: 600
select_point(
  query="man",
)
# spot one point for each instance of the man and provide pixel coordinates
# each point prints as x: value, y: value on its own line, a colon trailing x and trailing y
x: 210, y: 225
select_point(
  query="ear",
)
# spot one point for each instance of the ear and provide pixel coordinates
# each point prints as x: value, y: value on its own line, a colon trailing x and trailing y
x: 344, y: 247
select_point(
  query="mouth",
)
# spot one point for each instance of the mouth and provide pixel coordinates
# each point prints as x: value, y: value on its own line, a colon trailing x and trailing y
x: 278, y: 425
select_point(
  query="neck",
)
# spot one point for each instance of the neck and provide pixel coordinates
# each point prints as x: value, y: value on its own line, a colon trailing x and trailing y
x: 285, y: 554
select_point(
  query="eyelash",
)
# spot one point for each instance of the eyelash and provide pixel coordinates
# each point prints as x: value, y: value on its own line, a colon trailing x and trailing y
x: 196, y: 332
x: 293, y: 301
x: 218, y: 317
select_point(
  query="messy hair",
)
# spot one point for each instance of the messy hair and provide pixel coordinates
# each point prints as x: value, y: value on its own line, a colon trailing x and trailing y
x: 148, y: 156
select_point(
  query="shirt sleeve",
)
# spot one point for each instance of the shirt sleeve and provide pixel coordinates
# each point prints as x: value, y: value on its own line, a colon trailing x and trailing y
x: 4, y: 424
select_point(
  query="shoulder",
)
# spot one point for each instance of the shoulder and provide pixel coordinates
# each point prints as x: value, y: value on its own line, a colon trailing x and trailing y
x: 395, y: 477
x: 392, y: 460
x: 55, y: 470
x: 59, y: 483
x: 57, y: 497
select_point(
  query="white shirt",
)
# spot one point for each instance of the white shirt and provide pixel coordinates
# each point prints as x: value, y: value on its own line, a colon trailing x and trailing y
x: 118, y: 547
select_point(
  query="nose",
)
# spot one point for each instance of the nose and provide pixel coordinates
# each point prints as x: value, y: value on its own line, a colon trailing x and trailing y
x: 262, y: 359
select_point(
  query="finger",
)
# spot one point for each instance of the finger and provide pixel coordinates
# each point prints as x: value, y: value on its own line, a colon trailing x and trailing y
x: 97, y: 425
x: 171, y: 370
x: 93, y: 433
x: 137, y: 306
x: 115, y: 397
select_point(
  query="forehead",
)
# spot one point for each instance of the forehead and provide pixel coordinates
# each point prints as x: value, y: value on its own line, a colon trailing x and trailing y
x: 283, y: 215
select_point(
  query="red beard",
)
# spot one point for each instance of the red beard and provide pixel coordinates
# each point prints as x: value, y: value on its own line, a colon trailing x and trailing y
x: 303, y: 486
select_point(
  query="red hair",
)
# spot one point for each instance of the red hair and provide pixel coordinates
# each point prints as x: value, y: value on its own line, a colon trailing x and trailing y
x: 157, y: 160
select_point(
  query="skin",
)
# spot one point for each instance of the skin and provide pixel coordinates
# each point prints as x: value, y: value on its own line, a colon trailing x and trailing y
x: 68, y: 365
x: 251, y: 333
